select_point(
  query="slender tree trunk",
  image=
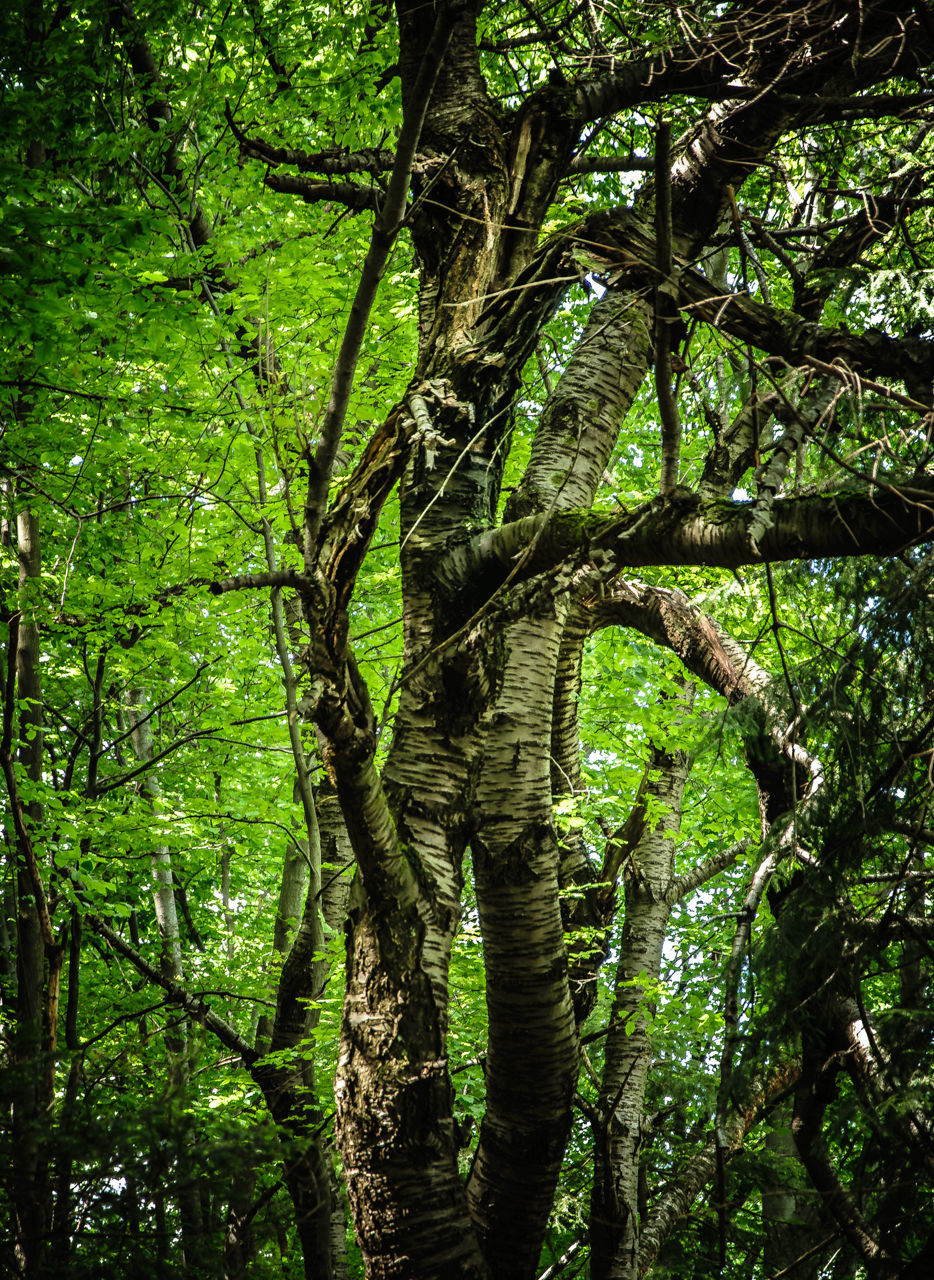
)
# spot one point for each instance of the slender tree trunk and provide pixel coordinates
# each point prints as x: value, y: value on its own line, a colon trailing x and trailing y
x: 197, y: 1258
x: 293, y: 885
x: 63, y: 1214
x: 290, y: 1089
x: 32, y: 1078
x: 788, y: 1223
x: 615, y: 1210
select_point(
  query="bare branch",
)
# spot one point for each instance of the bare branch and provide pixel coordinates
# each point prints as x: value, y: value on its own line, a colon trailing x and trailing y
x: 705, y: 871
x: 611, y: 164
x: 159, y: 706
x: 877, y: 519
x: 273, y: 578
x: 623, y: 241
x: 336, y: 160
x: 567, y: 1257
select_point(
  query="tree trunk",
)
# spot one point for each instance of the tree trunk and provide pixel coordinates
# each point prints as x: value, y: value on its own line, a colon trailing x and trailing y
x: 32, y: 1077
x: 620, y: 1129
x: 197, y: 1254
x: 787, y: 1215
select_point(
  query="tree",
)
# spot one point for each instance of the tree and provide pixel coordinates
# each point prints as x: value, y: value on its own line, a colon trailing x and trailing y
x: 482, y: 456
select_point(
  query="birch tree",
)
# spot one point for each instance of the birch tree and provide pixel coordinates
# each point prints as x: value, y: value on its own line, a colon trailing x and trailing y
x: 583, y: 357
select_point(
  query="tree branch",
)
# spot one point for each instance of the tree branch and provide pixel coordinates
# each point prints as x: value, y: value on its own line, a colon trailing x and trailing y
x: 611, y: 164
x: 624, y: 243
x: 349, y: 194
x: 882, y: 519
x: 385, y: 230
x: 272, y: 578
x: 192, y: 1004
x: 814, y: 1092
x: 706, y: 870
x: 159, y: 706
x: 334, y: 160
x: 278, y: 67
x: 159, y: 113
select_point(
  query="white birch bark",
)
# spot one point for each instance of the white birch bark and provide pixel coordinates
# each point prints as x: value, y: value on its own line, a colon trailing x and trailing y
x: 620, y: 1129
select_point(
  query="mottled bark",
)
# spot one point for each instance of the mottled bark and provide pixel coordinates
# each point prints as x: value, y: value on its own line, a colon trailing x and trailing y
x: 408, y: 831
x: 531, y: 1015
x: 394, y: 1100
x: 581, y: 420
x: 516, y: 857
x: 684, y: 529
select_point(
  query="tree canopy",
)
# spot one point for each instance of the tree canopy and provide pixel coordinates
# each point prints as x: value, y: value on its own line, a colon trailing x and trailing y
x: 467, y: 733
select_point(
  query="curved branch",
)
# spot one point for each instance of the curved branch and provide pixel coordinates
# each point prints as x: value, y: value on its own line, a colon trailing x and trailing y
x: 581, y: 419
x: 623, y: 244
x: 814, y: 1092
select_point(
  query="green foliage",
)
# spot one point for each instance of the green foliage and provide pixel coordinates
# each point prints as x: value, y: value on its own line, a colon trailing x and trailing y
x: 159, y: 394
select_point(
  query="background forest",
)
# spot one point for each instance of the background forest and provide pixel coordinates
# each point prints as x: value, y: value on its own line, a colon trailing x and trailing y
x: 467, y: 739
